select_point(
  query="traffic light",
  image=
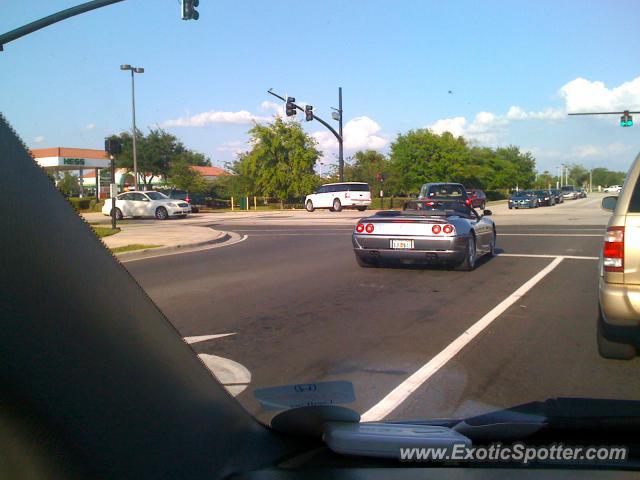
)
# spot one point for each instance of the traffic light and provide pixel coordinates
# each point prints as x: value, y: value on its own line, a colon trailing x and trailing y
x: 308, y: 112
x: 189, y: 11
x: 626, y: 120
x: 112, y: 146
x: 290, y: 107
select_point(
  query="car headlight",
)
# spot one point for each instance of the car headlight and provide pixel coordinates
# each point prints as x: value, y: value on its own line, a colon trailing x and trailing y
x: 546, y: 198
x: 172, y: 205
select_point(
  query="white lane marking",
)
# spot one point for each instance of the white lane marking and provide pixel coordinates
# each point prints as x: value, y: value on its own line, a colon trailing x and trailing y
x: 234, y: 376
x: 204, y: 338
x: 399, y: 394
x: 535, y: 255
x: 189, y: 250
x: 296, y: 230
x: 550, y: 235
x: 299, y: 234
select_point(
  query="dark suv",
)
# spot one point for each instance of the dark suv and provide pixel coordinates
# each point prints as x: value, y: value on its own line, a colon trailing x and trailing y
x: 477, y: 197
x: 194, y: 200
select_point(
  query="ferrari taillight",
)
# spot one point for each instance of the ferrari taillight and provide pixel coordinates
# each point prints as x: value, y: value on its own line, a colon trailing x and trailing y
x: 369, y: 228
x: 447, y: 229
x: 436, y: 229
x: 360, y: 228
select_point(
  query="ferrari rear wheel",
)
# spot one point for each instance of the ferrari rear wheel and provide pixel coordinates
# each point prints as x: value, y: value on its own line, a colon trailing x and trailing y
x: 492, y: 245
x: 469, y: 262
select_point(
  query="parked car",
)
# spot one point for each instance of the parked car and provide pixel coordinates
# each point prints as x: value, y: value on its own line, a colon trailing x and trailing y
x: 336, y: 196
x: 194, y: 200
x: 569, y: 192
x: 557, y: 195
x: 613, y: 189
x: 619, y: 283
x: 146, y: 204
x: 523, y: 199
x: 440, y: 231
x: 545, y: 198
x: 582, y: 193
x: 477, y: 197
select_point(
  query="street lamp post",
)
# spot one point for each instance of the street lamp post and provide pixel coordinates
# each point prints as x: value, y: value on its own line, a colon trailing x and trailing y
x: 133, y: 70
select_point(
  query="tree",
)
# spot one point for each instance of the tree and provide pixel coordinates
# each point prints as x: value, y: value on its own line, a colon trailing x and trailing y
x: 365, y: 167
x: 69, y: 184
x: 156, y: 152
x: 280, y: 163
x: 578, y: 175
x: 184, y: 177
x: 544, y: 179
x: 420, y: 156
x: 605, y: 177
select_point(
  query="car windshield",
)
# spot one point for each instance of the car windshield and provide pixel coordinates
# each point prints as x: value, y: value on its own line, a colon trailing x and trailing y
x: 291, y: 125
x: 156, y: 195
x: 443, y: 192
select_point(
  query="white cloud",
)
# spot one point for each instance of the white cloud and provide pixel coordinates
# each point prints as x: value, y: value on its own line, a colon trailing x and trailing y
x: 90, y: 126
x: 585, y: 151
x: 581, y: 95
x: 216, y: 117
x: 456, y: 126
x: 517, y: 113
x: 39, y: 139
x: 235, y: 146
x: 359, y: 133
x: 578, y: 95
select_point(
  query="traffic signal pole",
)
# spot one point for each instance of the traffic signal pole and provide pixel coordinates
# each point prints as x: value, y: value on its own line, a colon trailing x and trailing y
x: 51, y: 19
x: 329, y: 127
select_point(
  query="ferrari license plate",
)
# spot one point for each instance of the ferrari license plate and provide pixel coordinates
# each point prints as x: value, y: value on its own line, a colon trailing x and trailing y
x: 402, y: 244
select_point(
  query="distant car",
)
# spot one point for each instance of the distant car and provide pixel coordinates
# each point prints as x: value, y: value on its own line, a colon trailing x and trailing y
x: 146, y: 204
x: 569, y: 192
x: 545, y: 198
x: 524, y: 199
x: 477, y: 197
x: 613, y: 189
x: 336, y: 196
x: 194, y: 200
x: 582, y: 193
x: 442, y: 231
x: 557, y: 195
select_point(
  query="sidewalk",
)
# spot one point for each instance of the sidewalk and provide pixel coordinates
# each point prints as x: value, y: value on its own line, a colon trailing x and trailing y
x: 158, y: 238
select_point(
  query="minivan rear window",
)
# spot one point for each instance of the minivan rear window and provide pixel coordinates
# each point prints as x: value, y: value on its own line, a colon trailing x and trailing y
x: 358, y: 187
x: 634, y: 204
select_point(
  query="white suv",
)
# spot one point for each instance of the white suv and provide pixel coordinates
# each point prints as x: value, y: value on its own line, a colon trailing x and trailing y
x: 613, y: 189
x: 336, y: 196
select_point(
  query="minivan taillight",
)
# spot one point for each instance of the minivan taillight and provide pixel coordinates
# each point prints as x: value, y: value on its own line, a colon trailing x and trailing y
x: 613, y: 250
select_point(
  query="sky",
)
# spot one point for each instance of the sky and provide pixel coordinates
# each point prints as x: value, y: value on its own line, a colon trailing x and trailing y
x: 514, y: 70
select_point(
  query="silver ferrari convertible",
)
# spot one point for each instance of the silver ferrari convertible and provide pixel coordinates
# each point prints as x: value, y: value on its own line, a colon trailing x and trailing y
x: 437, y: 230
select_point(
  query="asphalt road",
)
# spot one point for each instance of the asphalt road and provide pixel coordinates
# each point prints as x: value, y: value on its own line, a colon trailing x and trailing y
x: 301, y: 310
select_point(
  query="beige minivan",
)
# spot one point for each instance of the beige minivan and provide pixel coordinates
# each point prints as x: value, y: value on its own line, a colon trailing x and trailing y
x: 619, y: 286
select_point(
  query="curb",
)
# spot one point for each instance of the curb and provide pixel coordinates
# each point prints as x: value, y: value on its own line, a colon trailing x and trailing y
x: 136, y: 254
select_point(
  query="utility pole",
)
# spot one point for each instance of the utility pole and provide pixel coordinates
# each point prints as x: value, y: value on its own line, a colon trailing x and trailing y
x: 340, y: 146
x: 134, y: 70
x: 310, y: 115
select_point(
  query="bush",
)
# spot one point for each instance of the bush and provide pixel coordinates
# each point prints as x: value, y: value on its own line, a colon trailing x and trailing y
x: 80, y: 203
x: 493, y: 195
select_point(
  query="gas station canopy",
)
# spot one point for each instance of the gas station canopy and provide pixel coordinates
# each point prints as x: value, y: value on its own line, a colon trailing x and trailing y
x: 60, y: 158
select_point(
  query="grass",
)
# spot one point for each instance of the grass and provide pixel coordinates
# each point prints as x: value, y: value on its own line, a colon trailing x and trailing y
x: 105, y: 231
x: 132, y: 247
